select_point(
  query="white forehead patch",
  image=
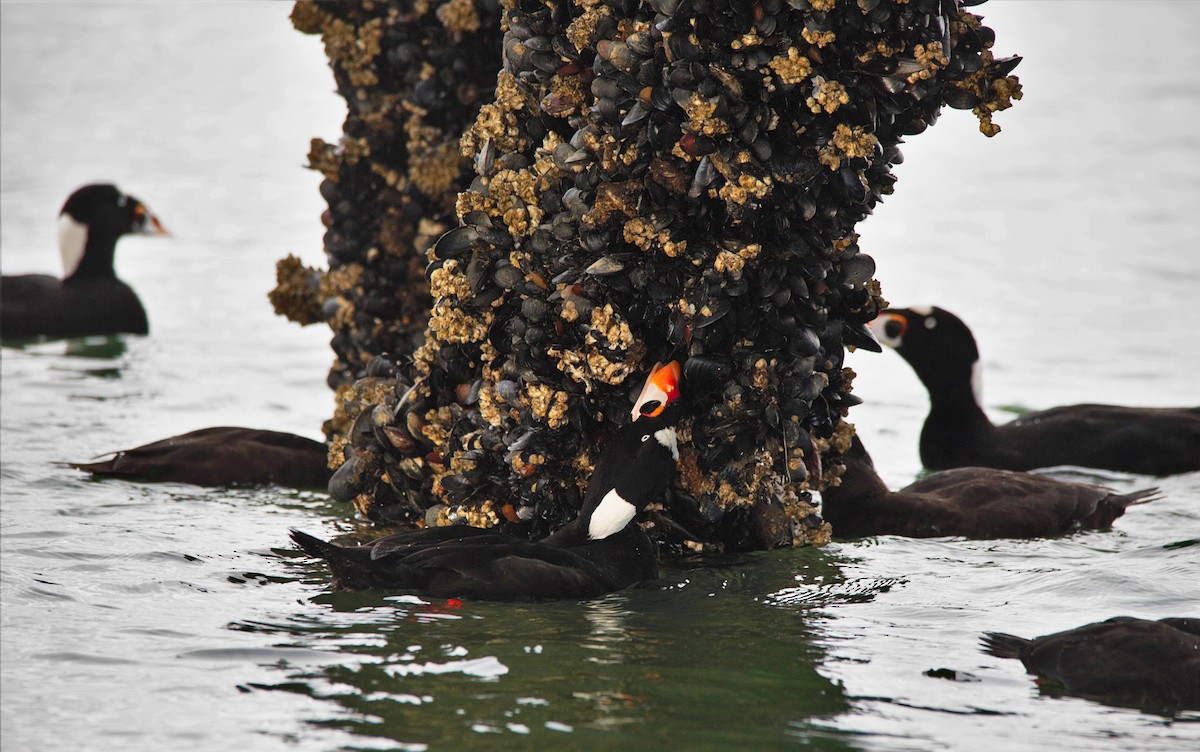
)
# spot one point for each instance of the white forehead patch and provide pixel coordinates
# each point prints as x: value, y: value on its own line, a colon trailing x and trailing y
x: 921, y: 310
x: 611, y: 516
x: 666, y: 437
x: 72, y: 239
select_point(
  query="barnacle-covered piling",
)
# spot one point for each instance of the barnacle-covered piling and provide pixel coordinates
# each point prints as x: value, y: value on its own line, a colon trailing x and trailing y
x: 413, y: 76
x: 654, y: 180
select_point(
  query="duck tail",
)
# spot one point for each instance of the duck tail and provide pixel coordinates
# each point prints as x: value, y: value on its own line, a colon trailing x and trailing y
x: 314, y: 546
x: 1003, y: 645
x: 1109, y: 508
x: 351, y: 566
x: 111, y: 465
x: 1144, y: 496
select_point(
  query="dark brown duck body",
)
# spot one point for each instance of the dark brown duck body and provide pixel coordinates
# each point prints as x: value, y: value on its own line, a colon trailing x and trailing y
x: 467, y: 562
x: 38, y: 305
x: 222, y: 456
x: 1124, y: 661
x: 970, y: 502
x: 957, y: 433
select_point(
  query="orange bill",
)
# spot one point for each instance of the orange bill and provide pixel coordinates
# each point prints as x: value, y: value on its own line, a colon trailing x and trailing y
x: 660, y: 390
x: 148, y: 223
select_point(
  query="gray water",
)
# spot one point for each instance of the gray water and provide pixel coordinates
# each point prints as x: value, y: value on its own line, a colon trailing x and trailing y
x: 143, y: 617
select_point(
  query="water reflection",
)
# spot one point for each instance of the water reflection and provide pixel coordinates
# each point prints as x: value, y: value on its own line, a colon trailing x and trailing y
x: 101, y: 347
x: 82, y: 359
x: 709, y: 656
x: 609, y: 635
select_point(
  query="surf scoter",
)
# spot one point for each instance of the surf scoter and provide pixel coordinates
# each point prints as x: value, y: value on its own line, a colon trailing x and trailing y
x: 1122, y: 661
x: 221, y: 456
x: 89, y: 300
x: 957, y: 433
x: 971, y: 502
x: 600, y: 551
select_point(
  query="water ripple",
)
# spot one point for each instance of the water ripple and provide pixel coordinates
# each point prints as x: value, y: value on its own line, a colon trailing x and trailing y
x: 487, y: 667
x: 85, y: 658
x: 262, y: 655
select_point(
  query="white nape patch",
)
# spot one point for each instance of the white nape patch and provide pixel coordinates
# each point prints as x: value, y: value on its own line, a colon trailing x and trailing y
x: 666, y: 437
x: 72, y: 239
x: 613, y: 514
x: 921, y: 310
x: 977, y: 383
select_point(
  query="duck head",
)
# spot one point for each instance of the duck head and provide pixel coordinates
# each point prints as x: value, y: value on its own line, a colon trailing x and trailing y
x: 639, y: 461
x: 92, y: 220
x: 936, y: 343
x: 922, y: 329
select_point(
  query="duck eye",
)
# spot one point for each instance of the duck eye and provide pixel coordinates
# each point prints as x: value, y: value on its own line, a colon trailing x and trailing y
x: 140, y: 215
x: 645, y: 438
x: 651, y: 408
x: 122, y: 200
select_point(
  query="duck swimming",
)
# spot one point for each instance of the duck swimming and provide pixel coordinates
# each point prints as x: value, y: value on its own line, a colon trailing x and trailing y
x: 600, y: 551
x: 957, y: 433
x: 1122, y: 661
x: 971, y: 502
x: 221, y: 456
x: 89, y: 299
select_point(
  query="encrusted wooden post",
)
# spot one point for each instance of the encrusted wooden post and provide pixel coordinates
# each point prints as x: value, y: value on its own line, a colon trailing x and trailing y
x: 655, y: 180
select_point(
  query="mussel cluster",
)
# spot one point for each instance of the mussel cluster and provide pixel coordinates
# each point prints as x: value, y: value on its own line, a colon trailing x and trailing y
x: 655, y: 180
x: 413, y: 76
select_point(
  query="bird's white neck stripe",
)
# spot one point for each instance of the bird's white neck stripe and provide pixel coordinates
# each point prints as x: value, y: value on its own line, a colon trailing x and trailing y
x: 611, y: 516
x: 72, y: 239
x: 977, y: 383
x: 666, y: 437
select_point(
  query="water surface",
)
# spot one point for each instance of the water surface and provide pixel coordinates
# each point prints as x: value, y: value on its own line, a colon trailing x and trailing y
x: 139, y: 617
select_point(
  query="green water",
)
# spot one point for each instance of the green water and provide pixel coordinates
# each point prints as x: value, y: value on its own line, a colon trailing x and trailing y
x: 694, y: 660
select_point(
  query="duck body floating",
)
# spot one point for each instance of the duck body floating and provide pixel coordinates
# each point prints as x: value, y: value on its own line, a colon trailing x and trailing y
x: 1122, y: 661
x: 89, y: 299
x: 957, y: 433
x: 970, y: 502
x: 221, y: 456
x: 600, y: 551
